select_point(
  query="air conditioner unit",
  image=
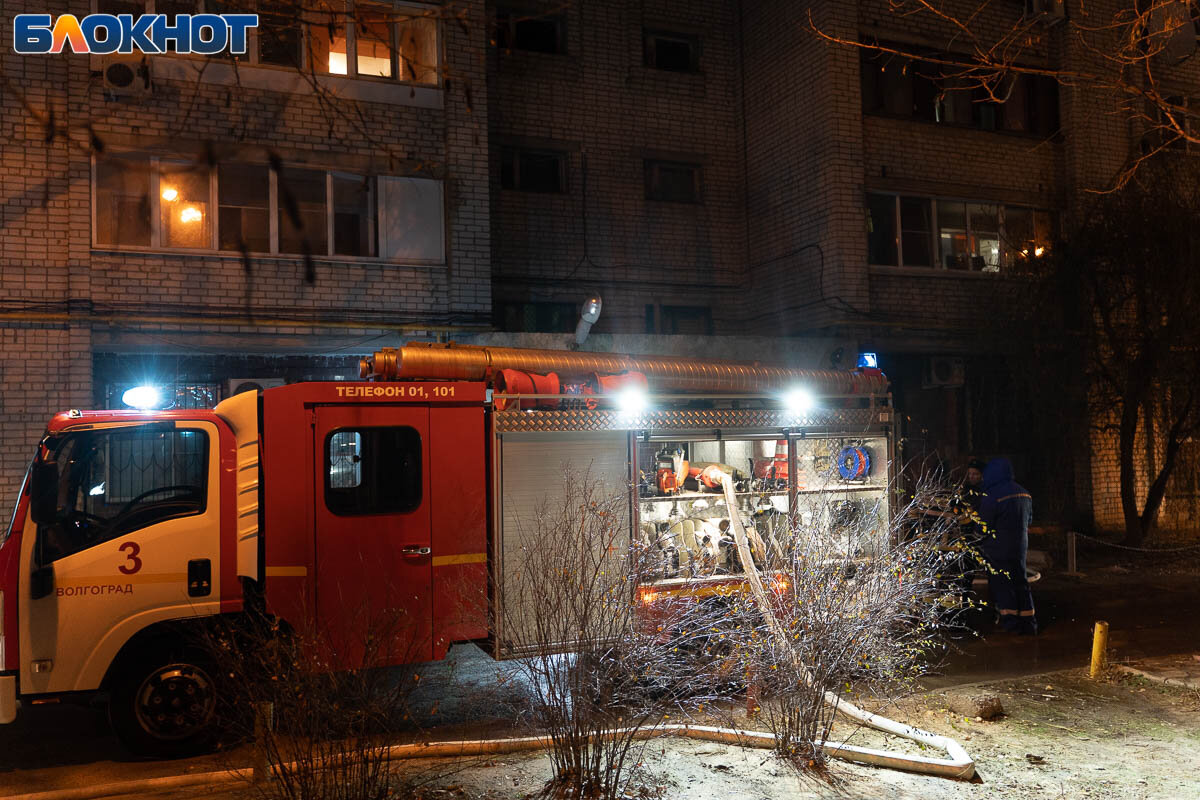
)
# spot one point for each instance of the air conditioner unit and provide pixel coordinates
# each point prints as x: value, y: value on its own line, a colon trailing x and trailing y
x: 125, y: 75
x: 1049, y: 11
x: 943, y: 372
x: 239, y: 385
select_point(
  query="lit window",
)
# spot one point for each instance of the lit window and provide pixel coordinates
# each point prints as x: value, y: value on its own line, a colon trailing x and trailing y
x: 373, y: 31
x: 184, y: 194
x: 150, y: 202
x: 971, y: 236
x: 327, y: 44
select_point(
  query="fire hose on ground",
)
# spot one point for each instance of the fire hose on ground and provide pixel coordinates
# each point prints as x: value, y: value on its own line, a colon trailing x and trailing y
x: 957, y: 765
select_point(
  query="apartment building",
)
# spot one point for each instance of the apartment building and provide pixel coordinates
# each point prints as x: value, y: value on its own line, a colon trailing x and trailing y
x: 721, y: 168
x: 730, y: 184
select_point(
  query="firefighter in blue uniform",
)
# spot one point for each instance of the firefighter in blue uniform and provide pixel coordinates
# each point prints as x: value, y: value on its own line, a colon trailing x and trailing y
x: 1006, y: 509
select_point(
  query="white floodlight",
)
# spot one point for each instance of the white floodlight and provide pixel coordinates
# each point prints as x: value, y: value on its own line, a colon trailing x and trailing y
x: 632, y: 401
x: 799, y: 401
x: 142, y: 397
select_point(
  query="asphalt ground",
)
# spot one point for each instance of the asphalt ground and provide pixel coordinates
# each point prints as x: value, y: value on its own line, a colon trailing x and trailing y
x: 1151, y: 614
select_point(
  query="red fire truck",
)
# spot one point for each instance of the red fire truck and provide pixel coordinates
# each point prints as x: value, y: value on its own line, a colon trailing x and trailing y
x: 312, y: 501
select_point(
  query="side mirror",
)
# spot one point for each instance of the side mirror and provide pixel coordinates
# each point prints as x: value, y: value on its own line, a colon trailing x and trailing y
x: 43, y: 493
x: 41, y: 582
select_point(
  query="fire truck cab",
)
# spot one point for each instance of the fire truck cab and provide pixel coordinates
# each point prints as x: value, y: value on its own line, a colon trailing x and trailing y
x: 319, y: 503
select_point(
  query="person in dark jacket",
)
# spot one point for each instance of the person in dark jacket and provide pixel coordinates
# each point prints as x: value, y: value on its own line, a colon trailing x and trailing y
x: 1006, y: 509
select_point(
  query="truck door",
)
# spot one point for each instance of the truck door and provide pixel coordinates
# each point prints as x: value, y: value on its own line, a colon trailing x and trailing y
x: 373, y: 560
x: 137, y: 541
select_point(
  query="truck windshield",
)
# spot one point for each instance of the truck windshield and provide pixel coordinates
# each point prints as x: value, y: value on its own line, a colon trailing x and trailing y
x: 115, y: 480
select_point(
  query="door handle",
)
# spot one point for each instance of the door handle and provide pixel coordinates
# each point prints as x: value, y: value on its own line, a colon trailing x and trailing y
x: 199, y: 576
x: 416, y: 550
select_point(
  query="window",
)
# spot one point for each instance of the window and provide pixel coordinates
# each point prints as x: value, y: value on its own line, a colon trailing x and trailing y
x: 531, y: 32
x: 536, y: 317
x: 411, y: 217
x: 199, y: 394
x: 687, y: 320
x: 123, y: 202
x: 360, y: 38
x: 327, y: 41
x: 881, y: 229
x: 302, y: 207
x: 121, y: 479
x: 970, y: 236
x: 145, y: 201
x: 916, y: 231
x: 373, y: 471
x: 533, y: 170
x: 357, y: 38
x: 675, y: 52
x: 184, y: 205
x: 279, y: 33
x: 672, y: 181
x: 1164, y: 134
x: 244, y: 192
x: 903, y: 87
x: 353, y: 215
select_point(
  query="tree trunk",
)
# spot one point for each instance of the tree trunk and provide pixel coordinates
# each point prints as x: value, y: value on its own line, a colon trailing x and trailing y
x: 1128, y: 438
x: 1158, y: 490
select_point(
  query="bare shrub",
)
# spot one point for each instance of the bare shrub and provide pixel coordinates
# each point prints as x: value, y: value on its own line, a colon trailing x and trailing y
x: 854, y: 607
x: 329, y: 732
x: 599, y: 668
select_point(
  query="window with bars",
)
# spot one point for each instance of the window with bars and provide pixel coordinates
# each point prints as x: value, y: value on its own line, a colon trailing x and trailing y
x: 952, y: 234
x: 144, y: 201
x: 183, y: 394
x: 116, y: 480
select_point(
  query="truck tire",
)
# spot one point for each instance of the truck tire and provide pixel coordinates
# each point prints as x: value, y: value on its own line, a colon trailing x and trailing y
x: 164, y: 702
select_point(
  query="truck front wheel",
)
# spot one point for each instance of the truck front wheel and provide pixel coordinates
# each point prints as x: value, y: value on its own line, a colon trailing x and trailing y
x: 164, y: 704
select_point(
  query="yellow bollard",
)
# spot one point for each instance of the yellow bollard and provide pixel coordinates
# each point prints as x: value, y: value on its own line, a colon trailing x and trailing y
x: 1099, y: 648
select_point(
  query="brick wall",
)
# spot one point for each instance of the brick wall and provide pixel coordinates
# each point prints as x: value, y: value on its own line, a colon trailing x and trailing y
x: 61, y: 301
x: 604, y: 108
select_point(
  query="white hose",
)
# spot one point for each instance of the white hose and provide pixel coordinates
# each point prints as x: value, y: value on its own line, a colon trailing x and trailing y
x: 958, y: 765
